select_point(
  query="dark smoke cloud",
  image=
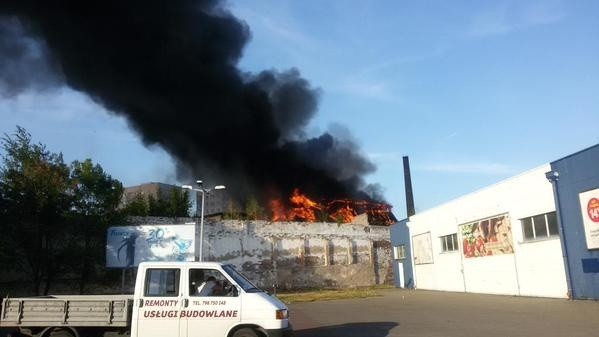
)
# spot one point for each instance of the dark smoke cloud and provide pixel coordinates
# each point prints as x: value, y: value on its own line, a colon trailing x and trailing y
x: 292, y: 99
x: 170, y: 67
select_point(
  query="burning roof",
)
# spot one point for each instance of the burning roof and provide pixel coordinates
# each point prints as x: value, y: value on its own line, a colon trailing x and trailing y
x: 301, y: 208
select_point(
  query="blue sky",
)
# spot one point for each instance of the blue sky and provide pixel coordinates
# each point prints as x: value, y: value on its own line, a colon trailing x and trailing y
x: 472, y: 91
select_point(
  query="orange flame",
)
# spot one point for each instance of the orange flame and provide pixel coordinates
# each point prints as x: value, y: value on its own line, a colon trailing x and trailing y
x: 344, y: 214
x: 278, y: 210
x: 302, y: 208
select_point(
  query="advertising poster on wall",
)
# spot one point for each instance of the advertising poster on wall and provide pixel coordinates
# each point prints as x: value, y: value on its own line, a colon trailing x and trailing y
x: 423, y: 250
x: 127, y: 246
x: 487, y: 237
x: 589, y: 206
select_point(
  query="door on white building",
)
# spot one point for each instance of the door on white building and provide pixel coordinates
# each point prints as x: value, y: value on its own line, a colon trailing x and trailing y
x: 399, y: 256
x: 400, y: 280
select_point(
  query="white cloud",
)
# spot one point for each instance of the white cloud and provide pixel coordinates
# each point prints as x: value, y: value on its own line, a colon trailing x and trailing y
x: 59, y: 104
x: 508, y: 16
x: 388, y: 160
x: 379, y: 90
x: 279, y: 28
x: 452, y: 135
x: 471, y: 168
x: 385, y: 156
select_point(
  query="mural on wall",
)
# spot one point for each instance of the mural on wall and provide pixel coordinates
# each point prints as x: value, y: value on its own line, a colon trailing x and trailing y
x: 589, y: 206
x: 487, y: 237
x: 423, y: 250
x: 127, y: 246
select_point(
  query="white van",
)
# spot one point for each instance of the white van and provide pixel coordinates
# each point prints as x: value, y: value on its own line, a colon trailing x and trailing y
x: 171, y: 299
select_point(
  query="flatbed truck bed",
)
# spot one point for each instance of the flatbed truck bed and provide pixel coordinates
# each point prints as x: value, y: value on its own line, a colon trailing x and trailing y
x: 104, y: 312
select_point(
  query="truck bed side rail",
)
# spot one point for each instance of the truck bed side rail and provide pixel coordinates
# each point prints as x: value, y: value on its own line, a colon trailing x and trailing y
x: 75, y: 312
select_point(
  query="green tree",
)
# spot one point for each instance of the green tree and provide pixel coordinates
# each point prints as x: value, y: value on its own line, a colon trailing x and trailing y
x: 157, y: 206
x: 253, y: 210
x: 179, y: 203
x: 233, y: 211
x: 323, y: 216
x: 95, y: 208
x: 36, y: 195
x: 138, y: 206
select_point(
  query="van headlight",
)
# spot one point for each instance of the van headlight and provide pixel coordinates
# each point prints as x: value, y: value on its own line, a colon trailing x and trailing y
x: 282, y: 314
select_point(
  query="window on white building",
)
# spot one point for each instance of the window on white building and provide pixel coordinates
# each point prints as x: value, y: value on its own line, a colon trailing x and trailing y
x: 449, y: 243
x: 399, y: 252
x: 540, y: 226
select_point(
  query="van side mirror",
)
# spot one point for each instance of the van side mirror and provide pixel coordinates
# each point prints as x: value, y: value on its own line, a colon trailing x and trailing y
x: 230, y: 290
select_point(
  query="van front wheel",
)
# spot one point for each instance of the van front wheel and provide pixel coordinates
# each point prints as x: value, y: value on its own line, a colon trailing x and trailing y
x: 245, y: 332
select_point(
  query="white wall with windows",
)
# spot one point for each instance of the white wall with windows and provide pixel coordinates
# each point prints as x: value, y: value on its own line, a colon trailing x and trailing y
x: 499, y: 240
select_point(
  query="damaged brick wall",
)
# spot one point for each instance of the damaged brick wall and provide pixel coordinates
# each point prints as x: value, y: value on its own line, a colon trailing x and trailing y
x: 296, y: 255
x: 292, y: 255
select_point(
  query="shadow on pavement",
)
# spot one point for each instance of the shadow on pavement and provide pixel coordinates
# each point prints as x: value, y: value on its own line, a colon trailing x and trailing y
x: 8, y: 332
x: 370, y: 329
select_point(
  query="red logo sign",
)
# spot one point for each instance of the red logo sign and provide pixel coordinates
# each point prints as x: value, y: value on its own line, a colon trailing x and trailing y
x: 593, y: 209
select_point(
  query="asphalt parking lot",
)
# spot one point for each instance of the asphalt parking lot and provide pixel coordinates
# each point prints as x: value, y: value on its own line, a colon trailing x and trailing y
x: 422, y: 313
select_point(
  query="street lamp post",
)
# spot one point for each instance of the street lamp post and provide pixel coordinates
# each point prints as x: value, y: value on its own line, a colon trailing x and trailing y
x: 201, y: 189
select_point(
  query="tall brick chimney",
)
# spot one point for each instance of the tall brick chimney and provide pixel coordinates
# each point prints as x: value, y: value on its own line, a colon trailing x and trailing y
x: 408, y: 186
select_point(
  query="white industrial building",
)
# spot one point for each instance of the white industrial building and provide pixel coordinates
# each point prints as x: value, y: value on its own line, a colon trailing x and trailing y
x: 503, y: 239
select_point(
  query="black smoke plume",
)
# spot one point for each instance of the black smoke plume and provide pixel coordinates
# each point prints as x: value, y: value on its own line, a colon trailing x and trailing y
x: 170, y: 67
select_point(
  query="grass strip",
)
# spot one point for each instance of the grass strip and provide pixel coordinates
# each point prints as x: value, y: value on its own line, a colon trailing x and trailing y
x: 329, y: 294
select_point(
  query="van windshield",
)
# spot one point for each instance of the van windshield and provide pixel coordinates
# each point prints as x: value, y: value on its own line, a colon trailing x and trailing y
x: 241, y: 280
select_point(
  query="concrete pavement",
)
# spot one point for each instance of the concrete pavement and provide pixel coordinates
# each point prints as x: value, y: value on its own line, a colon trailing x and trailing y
x: 422, y: 313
